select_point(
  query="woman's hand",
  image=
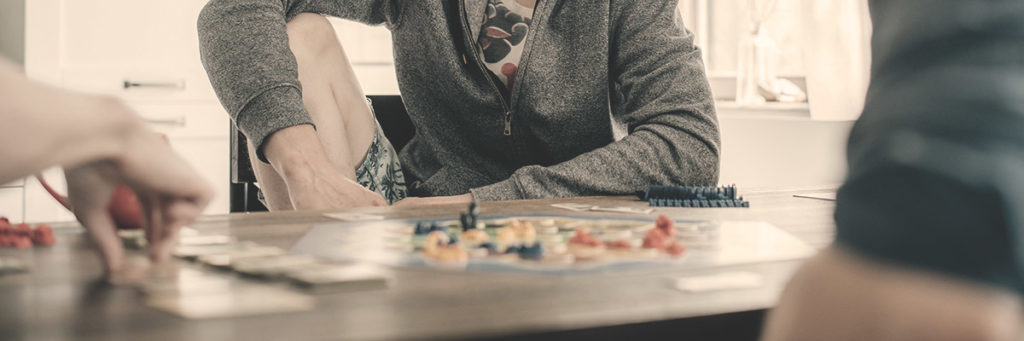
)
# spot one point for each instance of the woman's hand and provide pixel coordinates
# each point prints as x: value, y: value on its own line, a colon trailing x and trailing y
x: 455, y: 199
x: 170, y: 192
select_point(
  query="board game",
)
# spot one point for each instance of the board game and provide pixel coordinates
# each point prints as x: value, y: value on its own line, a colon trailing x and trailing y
x: 553, y: 244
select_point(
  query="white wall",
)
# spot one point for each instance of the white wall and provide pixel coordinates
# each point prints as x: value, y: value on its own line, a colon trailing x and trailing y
x: 782, y: 152
x: 12, y: 30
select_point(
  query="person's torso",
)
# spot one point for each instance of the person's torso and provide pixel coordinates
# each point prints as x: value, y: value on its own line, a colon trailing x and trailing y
x: 557, y: 108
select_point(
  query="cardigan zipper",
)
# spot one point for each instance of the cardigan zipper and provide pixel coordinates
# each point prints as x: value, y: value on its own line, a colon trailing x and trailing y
x: 476, y: 50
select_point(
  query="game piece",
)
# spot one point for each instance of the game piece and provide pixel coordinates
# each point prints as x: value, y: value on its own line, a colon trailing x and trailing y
x: 584, y: 246
x: 666, y: 225
x: 490, y: 247
x: 655, y: 239
x: 437, y: 227
x: 584, y: 238
x: 21, y: 242
x: 323, y: 278
x: 422, y: 228
x: 693, y: 196
x: 524, y: 230
x: 4, y: 221
x: 661, y: 236
x: 438, y: 248
x: 133, y: 239
x: 621, y: 245
x: 43, y: 235
x: 22, y: 230
x: 475, y: 236
x: 506, y: 236
x: 534, y: 252
x: 469, y: 218
x: 513, y: 249
x: 675, y: 249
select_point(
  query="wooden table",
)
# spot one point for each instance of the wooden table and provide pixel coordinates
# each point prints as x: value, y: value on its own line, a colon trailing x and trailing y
x: 62, y: 298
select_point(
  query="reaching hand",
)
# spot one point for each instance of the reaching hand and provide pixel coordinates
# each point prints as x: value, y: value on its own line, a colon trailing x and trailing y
x: 325, y: 188
x: 171, y: 193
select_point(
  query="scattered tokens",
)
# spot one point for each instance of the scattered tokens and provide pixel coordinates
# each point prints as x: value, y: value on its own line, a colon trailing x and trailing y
x: 545, y: 240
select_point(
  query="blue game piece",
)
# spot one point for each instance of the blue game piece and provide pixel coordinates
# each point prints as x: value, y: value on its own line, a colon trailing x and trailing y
x: 422, y: 228
x: 436, y: 227
x: 488, y: 245
x: 513, y: 249
x: 531, y: 252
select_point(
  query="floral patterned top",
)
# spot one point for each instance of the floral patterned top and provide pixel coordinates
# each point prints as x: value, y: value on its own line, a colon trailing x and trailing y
x: 502, y: 37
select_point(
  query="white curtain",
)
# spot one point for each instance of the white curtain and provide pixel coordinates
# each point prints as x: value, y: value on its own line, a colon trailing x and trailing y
x: 837, y: 56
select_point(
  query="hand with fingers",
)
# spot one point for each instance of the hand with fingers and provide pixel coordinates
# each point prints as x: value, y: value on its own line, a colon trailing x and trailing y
x: 170, y: 192
x: 325, y: 188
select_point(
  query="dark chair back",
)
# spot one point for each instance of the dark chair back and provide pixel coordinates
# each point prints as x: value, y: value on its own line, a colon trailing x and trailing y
x: 391, y: 115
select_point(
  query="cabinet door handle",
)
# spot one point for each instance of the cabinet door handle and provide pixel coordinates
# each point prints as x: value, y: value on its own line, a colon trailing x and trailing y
x: 175, y: 84
x: 178, y: 121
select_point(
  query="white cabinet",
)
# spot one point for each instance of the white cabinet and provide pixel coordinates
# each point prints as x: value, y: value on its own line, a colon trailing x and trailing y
x: 144, y: 52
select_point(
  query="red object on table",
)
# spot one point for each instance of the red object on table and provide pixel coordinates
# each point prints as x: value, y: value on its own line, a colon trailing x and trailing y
x: 124, y: 205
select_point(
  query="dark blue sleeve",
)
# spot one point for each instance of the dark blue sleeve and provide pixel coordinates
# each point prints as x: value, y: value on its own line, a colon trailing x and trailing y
x: 936, y: 161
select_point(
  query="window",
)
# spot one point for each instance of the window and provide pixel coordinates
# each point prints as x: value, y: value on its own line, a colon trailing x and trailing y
x: 719, y: 25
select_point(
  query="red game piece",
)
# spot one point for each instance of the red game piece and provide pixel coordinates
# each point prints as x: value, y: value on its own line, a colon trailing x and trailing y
x: 43, y: 235
x: 666, y: 225
x: 21, y: 242
x: 676, y: 249
x: 655, y: 239
x: 585, y: 238
x: 22, y: 230
x: 620, y: 245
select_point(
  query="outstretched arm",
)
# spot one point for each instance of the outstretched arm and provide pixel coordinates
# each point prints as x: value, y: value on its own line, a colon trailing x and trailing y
x: 101, y: 144
x: 45, y: 126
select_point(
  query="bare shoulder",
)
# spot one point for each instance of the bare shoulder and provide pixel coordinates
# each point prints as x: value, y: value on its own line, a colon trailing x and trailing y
x: 840, y: 296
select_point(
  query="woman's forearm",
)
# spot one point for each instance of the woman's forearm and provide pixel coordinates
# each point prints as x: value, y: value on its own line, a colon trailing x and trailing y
x: 44, y: 126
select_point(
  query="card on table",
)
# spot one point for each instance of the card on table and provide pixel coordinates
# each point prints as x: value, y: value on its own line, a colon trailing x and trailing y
x: 573, y: 206
x: 324, y: 277
x: 352, y: 216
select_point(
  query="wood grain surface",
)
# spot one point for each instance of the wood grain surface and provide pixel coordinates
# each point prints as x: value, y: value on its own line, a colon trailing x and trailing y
x: 63, y: 298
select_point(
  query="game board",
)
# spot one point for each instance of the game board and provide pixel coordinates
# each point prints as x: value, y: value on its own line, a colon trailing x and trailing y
x: 554, y: 244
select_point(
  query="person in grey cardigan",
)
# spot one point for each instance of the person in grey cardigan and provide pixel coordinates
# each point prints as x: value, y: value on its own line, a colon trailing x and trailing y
x: 511, y: 99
